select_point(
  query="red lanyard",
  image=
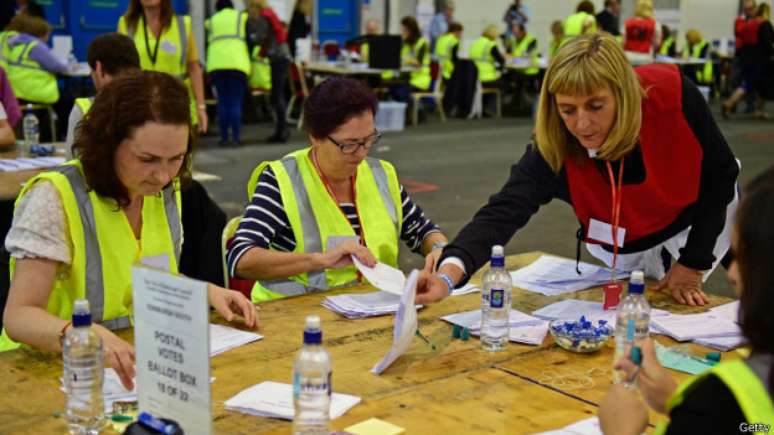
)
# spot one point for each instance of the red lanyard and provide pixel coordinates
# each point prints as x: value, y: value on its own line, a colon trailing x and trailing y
x: 616, y: 191
x: 328, y: 188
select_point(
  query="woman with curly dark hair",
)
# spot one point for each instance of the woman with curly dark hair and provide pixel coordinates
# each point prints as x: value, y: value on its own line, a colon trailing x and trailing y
x: 78, y: 228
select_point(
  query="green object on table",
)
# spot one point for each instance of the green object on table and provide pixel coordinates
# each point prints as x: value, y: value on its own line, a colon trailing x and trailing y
x: 465, y: 334
x: 676, y: 359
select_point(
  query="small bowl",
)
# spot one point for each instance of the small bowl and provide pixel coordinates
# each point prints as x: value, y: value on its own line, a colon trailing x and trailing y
x: 580, y: 340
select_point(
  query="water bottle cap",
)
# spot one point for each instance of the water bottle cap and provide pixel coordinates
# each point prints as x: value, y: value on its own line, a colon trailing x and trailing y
x: 498, y: 251
x: 81, y: 313
x: 638, y: 277
x: 637, y: 283
x: 313, y: 322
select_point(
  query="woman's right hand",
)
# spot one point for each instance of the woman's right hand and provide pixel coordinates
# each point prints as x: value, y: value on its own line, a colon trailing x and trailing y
x: 118, y: 354
x: 340, y: 256
x: 654, y: 381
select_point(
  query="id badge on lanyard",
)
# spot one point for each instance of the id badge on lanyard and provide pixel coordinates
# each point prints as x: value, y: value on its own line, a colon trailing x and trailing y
x: 612, y: 290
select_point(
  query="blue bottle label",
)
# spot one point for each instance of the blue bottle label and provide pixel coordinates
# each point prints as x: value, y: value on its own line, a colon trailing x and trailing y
x: 496, y: 298
x: 296, y: 385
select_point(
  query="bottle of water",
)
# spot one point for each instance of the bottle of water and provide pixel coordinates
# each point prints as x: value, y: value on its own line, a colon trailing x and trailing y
x: 495, y: 303
x: 83, y: 373
x: 31, y: 129
x: 312, y: 383
x: 632, y: 320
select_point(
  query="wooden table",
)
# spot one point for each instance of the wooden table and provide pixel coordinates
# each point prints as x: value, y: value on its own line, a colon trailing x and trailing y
x: 11, y: 182
x: 457, y: 388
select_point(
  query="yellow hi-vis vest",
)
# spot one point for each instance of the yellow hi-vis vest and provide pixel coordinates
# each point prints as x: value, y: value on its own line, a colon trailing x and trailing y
x: 481, y: 54
x: 5, y: 49
x: 172, y: 55
x: 421, y: 77
x: 260, y: 73
x: 666, y: 45
x: 28, y: 78
x: 444, y: 47
x: 703, y: 72
x: 104, y: 247
x: 520, y: 50
x: 365, y: 49
x: 84, y: 104
x: 573, y: 25
x: 227, y: 49
x: 747, y: 387
x: 315, y: 217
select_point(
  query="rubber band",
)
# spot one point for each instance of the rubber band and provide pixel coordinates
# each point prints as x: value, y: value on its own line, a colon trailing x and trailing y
x: 570, y: 380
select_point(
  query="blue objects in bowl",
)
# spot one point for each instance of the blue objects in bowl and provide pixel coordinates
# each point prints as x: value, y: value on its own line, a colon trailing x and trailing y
x: 582, y: 336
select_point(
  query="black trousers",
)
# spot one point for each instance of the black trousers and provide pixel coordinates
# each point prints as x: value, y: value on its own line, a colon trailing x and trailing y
x: 279, y: 77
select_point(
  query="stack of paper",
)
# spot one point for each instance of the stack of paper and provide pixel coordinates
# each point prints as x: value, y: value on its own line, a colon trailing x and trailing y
x: 589, y: 426
x: 275, y: 400
x: 523, y: 328
x: 684, y: 327
x: 24, y: 163
x: 404, y: 326
x: 360, y: 305
x: 728, y: 311
x: 224, y: 338
x: 112, y: 390
x: 553, y: 276
x: 573, y: 309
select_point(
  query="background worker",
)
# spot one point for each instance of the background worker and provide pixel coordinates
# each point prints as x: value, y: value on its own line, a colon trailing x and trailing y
x: 642, y: 33
x: 446, y: 49
x: 582, y: 21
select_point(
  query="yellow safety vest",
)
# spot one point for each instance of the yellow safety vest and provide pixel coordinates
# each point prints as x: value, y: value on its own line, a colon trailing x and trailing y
x: 172, y: 54
x: 28, y: 78
x: 573, y: 25
x: 481, y: 54
x: 104, y: 247
x: 315, y: 217
x: 227, y: 49
x: 84, y: 104
x: 703, y: 73
x: 553, y: 47
x: 5, y: 49
x: 444, y: 47
x: 421, y: 77
x: 666, y: 45
x: 520, y: 50
x: 746, y: 386
x: 260, y: 73
x: 364, y: 50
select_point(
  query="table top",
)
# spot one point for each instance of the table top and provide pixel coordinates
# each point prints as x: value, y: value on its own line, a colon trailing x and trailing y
x: 456, y: 388
x: 11, y: 182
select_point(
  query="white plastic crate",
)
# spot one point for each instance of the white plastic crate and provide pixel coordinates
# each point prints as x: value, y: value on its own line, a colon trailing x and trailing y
x: 391, y: 116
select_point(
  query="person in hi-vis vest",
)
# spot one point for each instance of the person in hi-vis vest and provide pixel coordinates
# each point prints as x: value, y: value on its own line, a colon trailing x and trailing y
x: 110, y: 55
x: 668, y: 46
x: 165, y: 43
x: 79, y: 228
x: 583, y: 21
x: 557, y: 38
x: 734, y: 396
x: 446, y: 48
x: 228, y: 63
x: 310, y: 211
x: 696, y: 47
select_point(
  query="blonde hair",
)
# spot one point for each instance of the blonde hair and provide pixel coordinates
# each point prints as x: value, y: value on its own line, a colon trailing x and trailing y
x: 491, y: 31
x: 583, y: 66
x: 694, y: 35
x: 256, y: 6
x: 764, y: 11
x: 644, y: 9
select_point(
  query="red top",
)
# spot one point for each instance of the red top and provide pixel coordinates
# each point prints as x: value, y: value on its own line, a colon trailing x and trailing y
x: 748, y: 34
x: 639, y: 34
x: 671, y: 155
x: 280, y: 33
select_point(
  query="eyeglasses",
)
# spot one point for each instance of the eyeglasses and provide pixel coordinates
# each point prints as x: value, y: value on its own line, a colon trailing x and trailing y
x: 351, y: 146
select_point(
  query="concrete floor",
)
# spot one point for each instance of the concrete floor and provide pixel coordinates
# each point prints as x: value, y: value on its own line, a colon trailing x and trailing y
x: 455, y: 167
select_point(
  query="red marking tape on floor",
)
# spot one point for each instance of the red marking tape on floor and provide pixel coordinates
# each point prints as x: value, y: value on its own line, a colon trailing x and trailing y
x: 413, y: 186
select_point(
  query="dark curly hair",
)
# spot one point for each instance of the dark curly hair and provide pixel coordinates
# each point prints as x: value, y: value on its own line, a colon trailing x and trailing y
x: 334, y: 102
x: 122, y: 106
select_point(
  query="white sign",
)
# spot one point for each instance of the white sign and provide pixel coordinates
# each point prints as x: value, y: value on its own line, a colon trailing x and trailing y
x: 171, y: 339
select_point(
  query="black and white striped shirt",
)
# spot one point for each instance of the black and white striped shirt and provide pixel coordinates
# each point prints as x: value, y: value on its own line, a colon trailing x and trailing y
x: 266, y: 225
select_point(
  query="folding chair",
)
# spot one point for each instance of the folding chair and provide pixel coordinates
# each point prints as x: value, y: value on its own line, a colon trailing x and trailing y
x: 435, y: 93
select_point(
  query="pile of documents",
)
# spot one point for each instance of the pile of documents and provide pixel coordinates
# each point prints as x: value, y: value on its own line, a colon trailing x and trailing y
x: 112, y: 390
x: 275, y: 400
x: 589, y: 426
x: 224, y: 338
x: 360, y: 305
x: 25, y: 163
x: 523, y: 328
x: 716, y: 328
x: 553, y: 276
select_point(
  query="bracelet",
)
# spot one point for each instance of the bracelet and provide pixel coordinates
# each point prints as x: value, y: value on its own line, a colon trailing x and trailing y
x: 447, y: 279
x: 438, y: 245
x: 63, y: 331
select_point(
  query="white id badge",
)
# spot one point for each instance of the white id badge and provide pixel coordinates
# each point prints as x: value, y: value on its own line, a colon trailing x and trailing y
x: 603, y: 232
x: 160, y: 262
x: 169, y: 47
x: 334, y: 241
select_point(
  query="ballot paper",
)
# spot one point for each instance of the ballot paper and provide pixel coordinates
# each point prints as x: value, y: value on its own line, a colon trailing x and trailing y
x: 405, y: 325
x: 360, y: 305
x: 729, y: 311
x: 25, y: 163
x: 573, y: 309
x: 589, y: 426
x: 684, y: 327
x: 553, y: 276
x: 275, y: 400
x: 382, y: 276
x: 467, y: 288
x: 522, y: 328
x: 224, y: 338
x: 723, y: 344
x: 112, y: 390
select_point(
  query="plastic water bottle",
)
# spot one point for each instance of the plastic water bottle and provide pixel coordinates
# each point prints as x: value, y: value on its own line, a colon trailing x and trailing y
x: 31, y: 127
x: 495, y: 303
x: 83, y: 373
x: 312, y: 383
x: 632, y: 320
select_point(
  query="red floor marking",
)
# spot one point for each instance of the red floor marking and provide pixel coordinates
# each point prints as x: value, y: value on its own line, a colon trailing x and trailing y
x: 761, y: 136
x: 413, y: 186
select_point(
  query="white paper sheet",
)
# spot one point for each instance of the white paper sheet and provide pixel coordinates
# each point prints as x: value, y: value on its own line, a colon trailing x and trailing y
x: 553, y: 276
x: 573, y: 309
x: 275, y: 400
x: 25, y: 163
x: 467, y: 288
x: 723, y: 344
x: 729, y: 311
x: 112, y: 390
x: 382, y: 276
x: 684, y: 327
x: 523, y: 328
x: 405, y: 325
x: 224, y: 338
x: 589, y: 426
x: 360, y: 305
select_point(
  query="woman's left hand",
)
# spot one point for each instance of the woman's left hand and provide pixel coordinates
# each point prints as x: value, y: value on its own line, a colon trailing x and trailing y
x: 684, y: 284
x: 622, y: 412
x: 201, y: 113
x: 431, y: 260
x: 229, y: 303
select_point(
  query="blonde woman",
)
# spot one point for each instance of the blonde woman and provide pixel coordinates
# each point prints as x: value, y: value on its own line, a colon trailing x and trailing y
x: 486, y: 55
x: 646, y: 135
x: 300, y: 23
x: 642, y: 33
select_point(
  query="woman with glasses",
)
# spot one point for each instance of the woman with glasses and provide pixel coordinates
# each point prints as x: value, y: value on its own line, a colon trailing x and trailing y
x: 313, y: 209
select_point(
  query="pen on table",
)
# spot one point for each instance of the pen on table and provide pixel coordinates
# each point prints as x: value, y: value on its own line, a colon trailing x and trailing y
x: 419, y: 334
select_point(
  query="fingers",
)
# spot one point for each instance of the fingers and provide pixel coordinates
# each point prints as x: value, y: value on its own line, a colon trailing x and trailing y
x: 678, y: 295
x: 649, y: 360
x: 429, y: 289
x: 429, y: 263
x: 122, y: 361
x: 246, y: 309
x: 625, y: 365
x: 662, y: 283
x: 221, y: 305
